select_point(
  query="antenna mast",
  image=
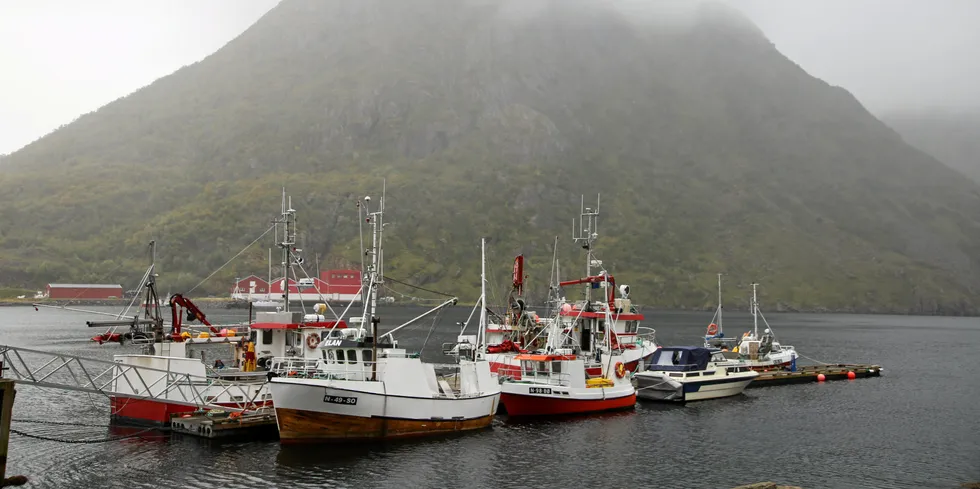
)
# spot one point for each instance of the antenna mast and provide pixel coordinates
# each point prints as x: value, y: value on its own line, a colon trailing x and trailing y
x: 288, y: 218
x: 755, y: 311
x: 720, y: 327
x: 588, y: 232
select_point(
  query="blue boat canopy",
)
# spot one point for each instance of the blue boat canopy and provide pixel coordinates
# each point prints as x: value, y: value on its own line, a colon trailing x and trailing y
x: 680, y: 358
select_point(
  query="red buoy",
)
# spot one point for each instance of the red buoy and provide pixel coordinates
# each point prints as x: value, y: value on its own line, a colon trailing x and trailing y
x: 821, y: 377
x: 851, y: 376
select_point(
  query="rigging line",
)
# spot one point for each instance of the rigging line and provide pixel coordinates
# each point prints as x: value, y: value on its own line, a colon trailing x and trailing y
x: 434, y: 320
x: 232, y: 259
x: 385, y: 277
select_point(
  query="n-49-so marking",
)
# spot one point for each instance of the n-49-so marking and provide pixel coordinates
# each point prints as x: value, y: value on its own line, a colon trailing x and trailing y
x: 350, y: 401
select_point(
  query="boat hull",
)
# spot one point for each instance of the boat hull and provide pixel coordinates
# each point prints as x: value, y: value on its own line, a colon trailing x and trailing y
x: 300, y: 426
x: 149, y: 412
x: 658, y: 387
x: 518, y: 400
x: 312, y: 410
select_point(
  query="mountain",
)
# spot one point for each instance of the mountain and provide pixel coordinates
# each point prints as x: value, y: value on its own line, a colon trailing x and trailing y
x: 952, y: 137
x: 711, y: 150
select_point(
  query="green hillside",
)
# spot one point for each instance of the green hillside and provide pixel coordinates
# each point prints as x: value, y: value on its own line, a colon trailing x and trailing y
x: 711, y: 150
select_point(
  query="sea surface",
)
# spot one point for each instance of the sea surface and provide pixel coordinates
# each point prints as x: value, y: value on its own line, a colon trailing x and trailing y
x: 916, y: 426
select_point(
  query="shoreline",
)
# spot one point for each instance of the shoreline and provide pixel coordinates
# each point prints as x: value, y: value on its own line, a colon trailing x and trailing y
x: 222, y: 302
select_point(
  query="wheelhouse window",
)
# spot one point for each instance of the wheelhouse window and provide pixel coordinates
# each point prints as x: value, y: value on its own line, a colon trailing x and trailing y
x: 556, y: 367
x: 366, y: 356
x: 340, y: 356
x: 631, y: 326
x: 351, y: 356
x: 267, y: 337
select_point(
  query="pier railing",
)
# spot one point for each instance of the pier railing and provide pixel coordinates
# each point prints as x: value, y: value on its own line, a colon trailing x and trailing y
x: 70, y: 372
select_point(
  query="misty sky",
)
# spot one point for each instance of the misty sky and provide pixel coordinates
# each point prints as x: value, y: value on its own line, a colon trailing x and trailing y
x: 64, y: 58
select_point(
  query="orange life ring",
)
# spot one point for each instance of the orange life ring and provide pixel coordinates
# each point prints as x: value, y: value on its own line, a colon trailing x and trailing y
x: 312, y: 340
x: 712, y: 329
x: 620, y: 370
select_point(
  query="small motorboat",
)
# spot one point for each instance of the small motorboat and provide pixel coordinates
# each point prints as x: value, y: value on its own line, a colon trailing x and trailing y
x: 691, y: 373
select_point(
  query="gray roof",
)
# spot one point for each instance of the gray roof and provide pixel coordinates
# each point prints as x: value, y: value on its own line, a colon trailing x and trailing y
x: 84, y: 286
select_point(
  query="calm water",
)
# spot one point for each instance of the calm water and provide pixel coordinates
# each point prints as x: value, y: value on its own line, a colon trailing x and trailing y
x: 916, y: 426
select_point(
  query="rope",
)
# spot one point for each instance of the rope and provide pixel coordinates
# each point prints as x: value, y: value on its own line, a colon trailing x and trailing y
x: 434, y: 320
x: 95, y: 440
x: 231, y: 259
x: 59, y: 423
x: 417, y: 287
x: 813, y: 360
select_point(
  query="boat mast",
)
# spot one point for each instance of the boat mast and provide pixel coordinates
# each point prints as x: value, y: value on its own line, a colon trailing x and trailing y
x: 755, y: 311
x: 588, y: 231
x: 269, y: 283
x: 720, y: 327
x: 482, y: 332
x: 288, y: 240
x: 374, y: 272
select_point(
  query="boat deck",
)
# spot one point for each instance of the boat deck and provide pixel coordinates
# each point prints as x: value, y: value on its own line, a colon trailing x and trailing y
x: 810, y: 373
x: 250, y: 425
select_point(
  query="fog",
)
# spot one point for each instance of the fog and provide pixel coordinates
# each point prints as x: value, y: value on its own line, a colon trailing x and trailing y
x: 65, y: 58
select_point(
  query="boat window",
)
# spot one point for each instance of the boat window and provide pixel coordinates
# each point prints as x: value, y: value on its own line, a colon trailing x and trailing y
x: 324, y: 353
x: 694, y: 374
x: 366, y: 356
x: 542, y: 367
x: 351, y: 356
x: 252, y: 335
x: 330, y: 356
x: 602, y: 325
x: 267, y: 337
x: 631, y: 326
x: 710, y: 372
x: 675, y: 374
x: 556, y: 367
x: 340, y: 356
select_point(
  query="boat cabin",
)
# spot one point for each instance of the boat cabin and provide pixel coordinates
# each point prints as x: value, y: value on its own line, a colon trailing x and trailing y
x: 556, y: 369
x: 586, y: 323
x: 680, y: 359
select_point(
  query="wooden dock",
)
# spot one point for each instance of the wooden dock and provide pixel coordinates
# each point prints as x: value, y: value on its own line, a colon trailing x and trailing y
x: 811, y: 373
x: 249, y: 425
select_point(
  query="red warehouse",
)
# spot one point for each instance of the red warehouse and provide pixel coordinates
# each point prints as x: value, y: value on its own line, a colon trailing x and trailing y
x: 84, y: 291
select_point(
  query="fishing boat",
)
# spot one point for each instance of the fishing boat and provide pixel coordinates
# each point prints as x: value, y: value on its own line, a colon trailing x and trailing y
x: 691, y: 373
x: 561, y: 382
x: 759, y: 352
x: 583, y: 324
x: 187, y: 367
x: 368, y: 389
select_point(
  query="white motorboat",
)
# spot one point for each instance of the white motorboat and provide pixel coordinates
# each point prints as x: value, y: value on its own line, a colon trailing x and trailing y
x: 691, y: 373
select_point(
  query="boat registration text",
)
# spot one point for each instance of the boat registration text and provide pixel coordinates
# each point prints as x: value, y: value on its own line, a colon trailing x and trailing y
x: 350, y: 401
x: 538, y: 390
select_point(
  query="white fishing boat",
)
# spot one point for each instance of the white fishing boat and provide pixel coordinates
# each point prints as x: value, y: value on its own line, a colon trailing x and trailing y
x: 185, y: 368
x: 761, y: 352
x: 368, y: 389
x: 691, y: 373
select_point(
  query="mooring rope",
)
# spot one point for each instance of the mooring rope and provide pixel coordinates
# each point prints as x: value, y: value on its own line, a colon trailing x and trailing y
x: 814, y: 360
x: 89, y: 441
x: 59, y: 423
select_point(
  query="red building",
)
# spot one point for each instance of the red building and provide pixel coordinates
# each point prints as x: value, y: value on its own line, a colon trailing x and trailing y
x: 84, y: 291
x: 250, y: 285
x: 332, y: 285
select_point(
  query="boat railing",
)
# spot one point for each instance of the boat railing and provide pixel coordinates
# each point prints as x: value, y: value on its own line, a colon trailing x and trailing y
x: 544, y: 377
x: 646, y: 333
